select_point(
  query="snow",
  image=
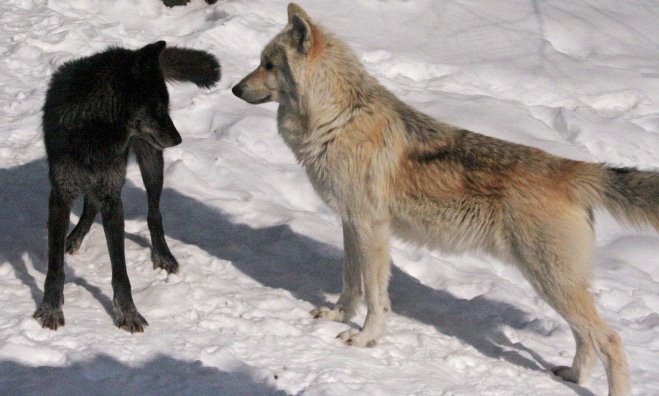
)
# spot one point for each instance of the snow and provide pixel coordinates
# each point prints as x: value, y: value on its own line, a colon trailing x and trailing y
x: 258, y: 249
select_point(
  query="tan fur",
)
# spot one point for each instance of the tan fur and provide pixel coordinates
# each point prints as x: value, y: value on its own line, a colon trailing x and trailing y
x: 390, y: 170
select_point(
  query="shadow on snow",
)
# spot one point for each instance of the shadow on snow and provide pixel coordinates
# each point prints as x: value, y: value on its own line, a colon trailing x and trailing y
x: 104, y: 375
x: 275, y: 256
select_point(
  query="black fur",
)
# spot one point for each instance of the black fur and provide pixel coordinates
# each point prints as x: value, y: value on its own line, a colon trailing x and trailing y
x: 96, y: 110
x: 185, y: 64
x: 173, y: 3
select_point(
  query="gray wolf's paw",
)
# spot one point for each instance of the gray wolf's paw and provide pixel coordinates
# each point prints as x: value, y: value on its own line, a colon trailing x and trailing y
x: 165, y: 261
x: 358, y: 338
x: 335, y: 314
x: 49, y: 317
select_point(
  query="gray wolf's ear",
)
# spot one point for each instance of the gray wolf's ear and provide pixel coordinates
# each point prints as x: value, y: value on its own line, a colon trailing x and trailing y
x: 294, y: 9
x: 301, y: 35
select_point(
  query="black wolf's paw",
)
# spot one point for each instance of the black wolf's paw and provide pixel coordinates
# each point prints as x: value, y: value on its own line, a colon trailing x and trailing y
x: 49, y: 317
x: 165, y: 261
x: 130, y: 320
x: 173, y: 3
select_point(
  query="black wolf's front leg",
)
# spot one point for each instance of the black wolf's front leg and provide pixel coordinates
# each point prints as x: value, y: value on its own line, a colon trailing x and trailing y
x: 151, y: 166
x: 126, y: 315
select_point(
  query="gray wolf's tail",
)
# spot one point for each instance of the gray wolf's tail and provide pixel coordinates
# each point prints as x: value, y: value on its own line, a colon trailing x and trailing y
x: 632, y: 195
x: 186, y: 64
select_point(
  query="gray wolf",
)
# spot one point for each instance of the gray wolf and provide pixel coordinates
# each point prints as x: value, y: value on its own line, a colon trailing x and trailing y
x: 389, y: 170
x: 98, y: 109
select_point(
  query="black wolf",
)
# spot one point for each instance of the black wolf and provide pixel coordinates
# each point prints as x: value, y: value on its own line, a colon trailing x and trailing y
x: 173, y: 3
x: 97, y: 110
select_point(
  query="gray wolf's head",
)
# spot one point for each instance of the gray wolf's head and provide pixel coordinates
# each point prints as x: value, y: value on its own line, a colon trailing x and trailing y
x: 283, y: 61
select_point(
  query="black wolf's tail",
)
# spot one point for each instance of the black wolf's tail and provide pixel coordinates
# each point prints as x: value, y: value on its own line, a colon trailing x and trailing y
x: 632, y: 195
x: 186, y: 64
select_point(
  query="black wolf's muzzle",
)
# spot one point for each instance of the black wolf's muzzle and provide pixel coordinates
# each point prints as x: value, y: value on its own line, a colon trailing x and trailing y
x: 161, y: 135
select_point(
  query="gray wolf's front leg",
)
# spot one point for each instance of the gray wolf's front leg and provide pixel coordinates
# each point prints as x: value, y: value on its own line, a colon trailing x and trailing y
x: 367, y: 263
x: 345, y: 308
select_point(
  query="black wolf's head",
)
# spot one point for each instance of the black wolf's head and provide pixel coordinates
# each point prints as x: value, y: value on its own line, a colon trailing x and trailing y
x: 149, y: 119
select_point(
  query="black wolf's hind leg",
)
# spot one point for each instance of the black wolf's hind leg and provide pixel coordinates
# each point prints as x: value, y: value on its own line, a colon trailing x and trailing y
x: 150, y: 161
x: 74, y: 240
x: 126, y: 315
x: 49, y: 314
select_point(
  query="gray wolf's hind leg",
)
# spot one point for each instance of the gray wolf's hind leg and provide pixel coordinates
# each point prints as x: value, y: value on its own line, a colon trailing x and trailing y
x: 593, y: 338
x: 557, y: 262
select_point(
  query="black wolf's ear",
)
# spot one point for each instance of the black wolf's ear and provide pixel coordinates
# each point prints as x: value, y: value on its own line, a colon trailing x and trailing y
x: 301, y: 34
x: 149, y: 54
x: 153, y: 50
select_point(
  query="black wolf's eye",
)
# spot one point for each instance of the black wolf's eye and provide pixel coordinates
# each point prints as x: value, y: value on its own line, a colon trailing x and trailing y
x: 268, y: 66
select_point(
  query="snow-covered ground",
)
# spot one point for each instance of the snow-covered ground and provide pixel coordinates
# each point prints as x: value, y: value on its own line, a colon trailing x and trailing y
x: 258, y: 249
